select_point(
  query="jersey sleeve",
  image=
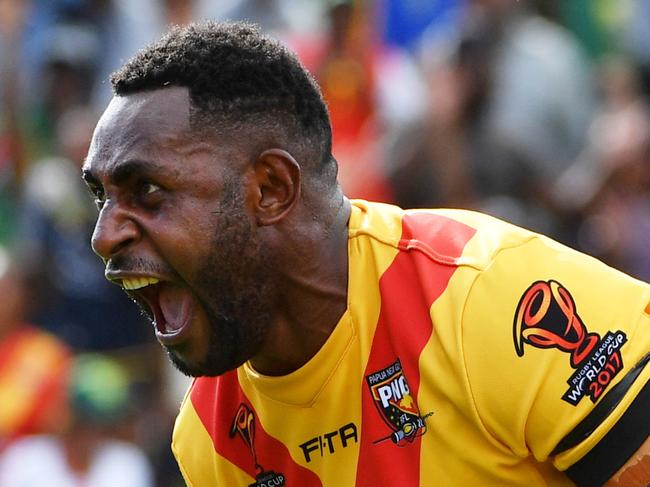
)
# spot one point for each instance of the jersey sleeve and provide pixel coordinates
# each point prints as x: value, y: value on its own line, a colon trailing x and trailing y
x: 555, y: 347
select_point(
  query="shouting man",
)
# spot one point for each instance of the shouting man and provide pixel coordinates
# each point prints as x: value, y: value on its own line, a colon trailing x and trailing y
x: 337, y: 342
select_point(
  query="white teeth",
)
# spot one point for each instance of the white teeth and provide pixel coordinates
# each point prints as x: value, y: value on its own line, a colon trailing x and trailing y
x: 138, y: 282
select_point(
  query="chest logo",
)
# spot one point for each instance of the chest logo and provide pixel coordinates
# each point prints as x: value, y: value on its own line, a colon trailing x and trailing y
x: 243, y: 426
x: 547, y: 317
x: 392, y: 397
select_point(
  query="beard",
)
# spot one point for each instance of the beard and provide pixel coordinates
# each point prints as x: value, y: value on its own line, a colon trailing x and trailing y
x: 235, y: 292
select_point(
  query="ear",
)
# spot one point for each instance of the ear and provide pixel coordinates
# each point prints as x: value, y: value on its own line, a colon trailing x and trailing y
x: 277, y: 177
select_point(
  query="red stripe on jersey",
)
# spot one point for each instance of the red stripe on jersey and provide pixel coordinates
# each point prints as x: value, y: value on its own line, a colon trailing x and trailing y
x: 217, y: 413
x: 408, y: 289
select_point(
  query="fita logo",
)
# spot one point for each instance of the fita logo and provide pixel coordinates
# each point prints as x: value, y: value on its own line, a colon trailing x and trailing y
x: 393, y: 399
x: 547, y: 317
x: 243, y: 425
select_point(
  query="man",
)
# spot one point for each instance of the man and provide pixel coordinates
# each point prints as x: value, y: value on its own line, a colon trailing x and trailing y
x: 349, y: 343
x: 34, y: 365
x: 84, y: 450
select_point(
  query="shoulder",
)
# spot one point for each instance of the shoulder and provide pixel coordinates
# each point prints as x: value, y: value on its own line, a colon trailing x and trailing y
x: 485, y: 236
x: 448, y: 236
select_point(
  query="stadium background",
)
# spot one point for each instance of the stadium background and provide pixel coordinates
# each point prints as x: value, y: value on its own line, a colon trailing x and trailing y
x: 532, y: 111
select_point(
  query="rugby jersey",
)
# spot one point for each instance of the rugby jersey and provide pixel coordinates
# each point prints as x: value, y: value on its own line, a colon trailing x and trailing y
x: 472, y: 352
x: 34, y: 370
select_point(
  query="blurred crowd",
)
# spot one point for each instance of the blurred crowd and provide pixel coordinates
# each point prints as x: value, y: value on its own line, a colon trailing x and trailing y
x: 532, y: 111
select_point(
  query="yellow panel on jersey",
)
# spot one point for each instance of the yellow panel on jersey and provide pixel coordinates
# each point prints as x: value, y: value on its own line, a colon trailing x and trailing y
x: 197, y: 464
x: 577, y: 328
x: 446, y: 368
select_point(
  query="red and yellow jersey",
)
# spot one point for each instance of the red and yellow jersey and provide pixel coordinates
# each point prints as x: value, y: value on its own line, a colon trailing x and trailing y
x: 472, y: 352
x: 34, y: 369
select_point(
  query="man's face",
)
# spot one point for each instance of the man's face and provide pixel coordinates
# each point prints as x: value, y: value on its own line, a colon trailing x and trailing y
x: 175, y: 233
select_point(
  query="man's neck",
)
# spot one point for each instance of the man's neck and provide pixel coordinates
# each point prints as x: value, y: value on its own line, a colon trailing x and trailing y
x: 314, y: 292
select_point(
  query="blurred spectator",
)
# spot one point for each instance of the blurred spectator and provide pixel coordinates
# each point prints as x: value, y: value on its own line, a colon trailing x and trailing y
x: 430, y: 162
x: 66, y: 45
x: 405, y: 24
x: 86, y: 452
x: 495, y: 120
x: 347, y: 77
x: 609, y: 184
x: 33, y: 365
x: 598, y: 25
x: 539, y: 131
x: 72, y: 297
x: 371, y: 90
x: 636, y: 37
x: 266, y: 13
x: 500, y: 123
x: 12, y: 74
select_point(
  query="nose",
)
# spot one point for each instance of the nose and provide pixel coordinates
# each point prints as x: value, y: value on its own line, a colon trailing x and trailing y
x: 114, y: 231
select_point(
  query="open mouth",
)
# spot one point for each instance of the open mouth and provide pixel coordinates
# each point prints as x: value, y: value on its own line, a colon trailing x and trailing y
x: 170, y: 306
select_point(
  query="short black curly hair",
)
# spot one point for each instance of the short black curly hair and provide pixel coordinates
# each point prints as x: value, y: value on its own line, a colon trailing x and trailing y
x: 240, y: 79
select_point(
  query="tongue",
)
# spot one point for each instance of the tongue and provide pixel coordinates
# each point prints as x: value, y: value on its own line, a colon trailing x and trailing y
x: 176, y: 305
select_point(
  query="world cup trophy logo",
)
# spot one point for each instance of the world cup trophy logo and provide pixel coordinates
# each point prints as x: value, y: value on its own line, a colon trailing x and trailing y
x: 546, y: 317
x: 243, y: 425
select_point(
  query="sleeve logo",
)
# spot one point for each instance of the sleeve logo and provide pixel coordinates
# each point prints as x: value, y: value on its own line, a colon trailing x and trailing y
x: 547, y: 317
x: 392, y: 396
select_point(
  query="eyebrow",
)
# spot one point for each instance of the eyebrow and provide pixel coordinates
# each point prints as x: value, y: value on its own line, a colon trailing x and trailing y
x: 125, y: 171
x: 131, y: 168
